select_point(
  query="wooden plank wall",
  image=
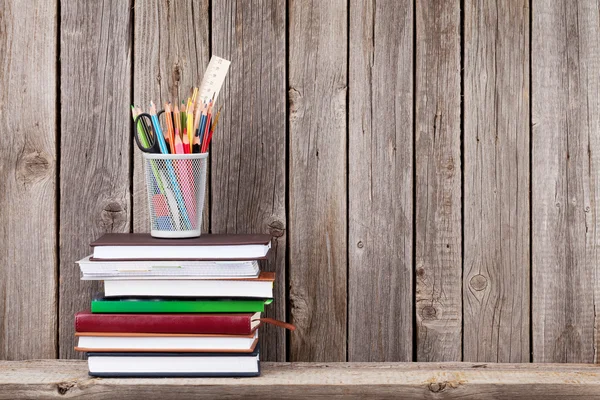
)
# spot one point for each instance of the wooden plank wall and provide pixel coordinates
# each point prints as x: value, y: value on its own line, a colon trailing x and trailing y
x: 496, y: 181
x: 437, y: 181
x: 28, y: 176
x: 565, y: 143
x: 427, y: 169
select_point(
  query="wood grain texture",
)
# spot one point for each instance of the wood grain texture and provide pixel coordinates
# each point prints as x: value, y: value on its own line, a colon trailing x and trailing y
x: 317, y: 179
x: 380, y: 301
x: 249, y: 146
x: 565, y: 148
x: 171, y: 52
x: 438, y: 181
x: 496, y: 181
x: 53, y: 379
x: 28, y: 179
x: 95, y: 143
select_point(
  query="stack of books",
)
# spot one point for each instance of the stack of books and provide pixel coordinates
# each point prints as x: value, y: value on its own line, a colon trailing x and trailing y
x: 175, y: 307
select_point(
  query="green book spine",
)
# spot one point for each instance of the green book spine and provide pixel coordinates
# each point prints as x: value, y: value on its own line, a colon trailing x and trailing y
x: 178, y: 306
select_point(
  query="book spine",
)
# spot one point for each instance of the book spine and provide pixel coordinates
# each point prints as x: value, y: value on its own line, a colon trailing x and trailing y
x: 165, y: 323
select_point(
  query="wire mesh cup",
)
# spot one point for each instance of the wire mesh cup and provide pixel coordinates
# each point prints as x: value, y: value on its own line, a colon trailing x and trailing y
x: 176, y: 186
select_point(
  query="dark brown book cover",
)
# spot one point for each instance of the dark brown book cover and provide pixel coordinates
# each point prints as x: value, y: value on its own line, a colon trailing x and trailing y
x: 144, y: 239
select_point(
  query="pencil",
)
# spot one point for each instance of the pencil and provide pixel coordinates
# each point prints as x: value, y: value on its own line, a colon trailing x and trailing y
x: 178, y: 143
x: 190, y: 124
x: 197, y: 118
x: 208, y: 138
x: 182, y: 112
x: 202, y: 126
x: 170, y: 133
x: 212, y: 128
x: 208, y: 118
x: 186, y: 142
x: 196, y: 146
x: 177, y: 118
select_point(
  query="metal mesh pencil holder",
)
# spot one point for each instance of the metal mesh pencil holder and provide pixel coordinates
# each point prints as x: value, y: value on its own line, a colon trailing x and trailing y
x: 176, y: 186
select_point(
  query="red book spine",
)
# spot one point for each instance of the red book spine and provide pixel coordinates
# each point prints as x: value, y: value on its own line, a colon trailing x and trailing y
x: 226, y: 324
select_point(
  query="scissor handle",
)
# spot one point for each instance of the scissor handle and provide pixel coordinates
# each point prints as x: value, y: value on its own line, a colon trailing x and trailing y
x: 150, y: 135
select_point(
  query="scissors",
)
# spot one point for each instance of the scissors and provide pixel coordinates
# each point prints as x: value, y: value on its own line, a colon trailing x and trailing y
x: 150, y: 138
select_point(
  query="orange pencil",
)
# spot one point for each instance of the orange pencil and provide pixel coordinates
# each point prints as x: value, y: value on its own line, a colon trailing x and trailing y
x: 169, y: 132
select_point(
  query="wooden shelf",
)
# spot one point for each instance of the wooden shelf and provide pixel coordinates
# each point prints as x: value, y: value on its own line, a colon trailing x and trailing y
x: 69, y: 379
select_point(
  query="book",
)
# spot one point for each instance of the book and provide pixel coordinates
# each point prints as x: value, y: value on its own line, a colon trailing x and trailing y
x: 163, y: 342
x: 206, y: 305
x: 261, y: 287
x: 122, y: 364
x: 230, y: 323
x: 142, y: 246
x: 169, y: 269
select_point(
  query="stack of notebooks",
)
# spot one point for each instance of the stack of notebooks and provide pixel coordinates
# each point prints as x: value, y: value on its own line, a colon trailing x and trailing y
x: 175, y: 307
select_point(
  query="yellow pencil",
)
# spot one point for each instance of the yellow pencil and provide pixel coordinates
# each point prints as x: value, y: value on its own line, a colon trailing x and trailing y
x: 190, y: 124
x: 177, y: 119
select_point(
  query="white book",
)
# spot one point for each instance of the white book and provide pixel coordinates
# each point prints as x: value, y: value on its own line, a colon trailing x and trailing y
x: 170, y: 364
x: 138, y: 246
x: 180, y: 252
x: 100, y: 270
x: 261, y: 287
x: 144, y: 342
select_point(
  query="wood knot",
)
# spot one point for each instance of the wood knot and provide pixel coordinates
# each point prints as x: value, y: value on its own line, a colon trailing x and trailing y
x: 276, y: 228
x: 300, y: 309
x: 176, y: 73
x: 113, y: 216
x: 32, y: 167
x: 478, y: 282
x: 63, y: 387
x: 420, y: 272
x: 429, y: 313
x: 436, y: 387
x: 360, y: 245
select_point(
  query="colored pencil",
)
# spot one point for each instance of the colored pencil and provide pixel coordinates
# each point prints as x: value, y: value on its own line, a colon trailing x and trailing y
x: 190, y: 124
x: 186, y: 142
x: 196, y: 146
x: 177, y: 119
x: 178, y: 143
x: 170, y: 130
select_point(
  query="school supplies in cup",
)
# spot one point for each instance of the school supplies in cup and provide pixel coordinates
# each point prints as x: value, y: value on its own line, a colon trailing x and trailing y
x: 176, y: 204
x: 175, y: 143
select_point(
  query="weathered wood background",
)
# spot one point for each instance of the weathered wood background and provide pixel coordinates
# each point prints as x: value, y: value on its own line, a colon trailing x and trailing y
x: 428, y: 169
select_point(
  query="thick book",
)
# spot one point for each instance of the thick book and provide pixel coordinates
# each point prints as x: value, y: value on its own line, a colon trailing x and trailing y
x: 161, y: 305
x: 142, y: 246
x: 261, y: 287
x: 163, y: 342
x: 229, y: 323
x: 168, y: 269
x: 121, y: 364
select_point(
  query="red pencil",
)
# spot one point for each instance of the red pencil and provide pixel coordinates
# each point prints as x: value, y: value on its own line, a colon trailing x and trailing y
x: 186, y: 142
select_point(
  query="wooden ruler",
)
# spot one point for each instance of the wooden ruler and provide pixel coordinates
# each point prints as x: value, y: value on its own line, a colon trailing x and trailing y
x: 213, y: 78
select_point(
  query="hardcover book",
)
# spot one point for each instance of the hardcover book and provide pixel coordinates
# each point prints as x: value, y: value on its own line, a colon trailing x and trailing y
x: 261, y: 287
x: 120, y: 364
x: 165, y: 342
x: 142, y: 246
x: 227, y: 323
x: 174, y: 305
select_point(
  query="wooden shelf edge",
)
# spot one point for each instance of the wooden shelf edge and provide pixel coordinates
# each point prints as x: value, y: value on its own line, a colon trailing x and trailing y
x: 69, y: 379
